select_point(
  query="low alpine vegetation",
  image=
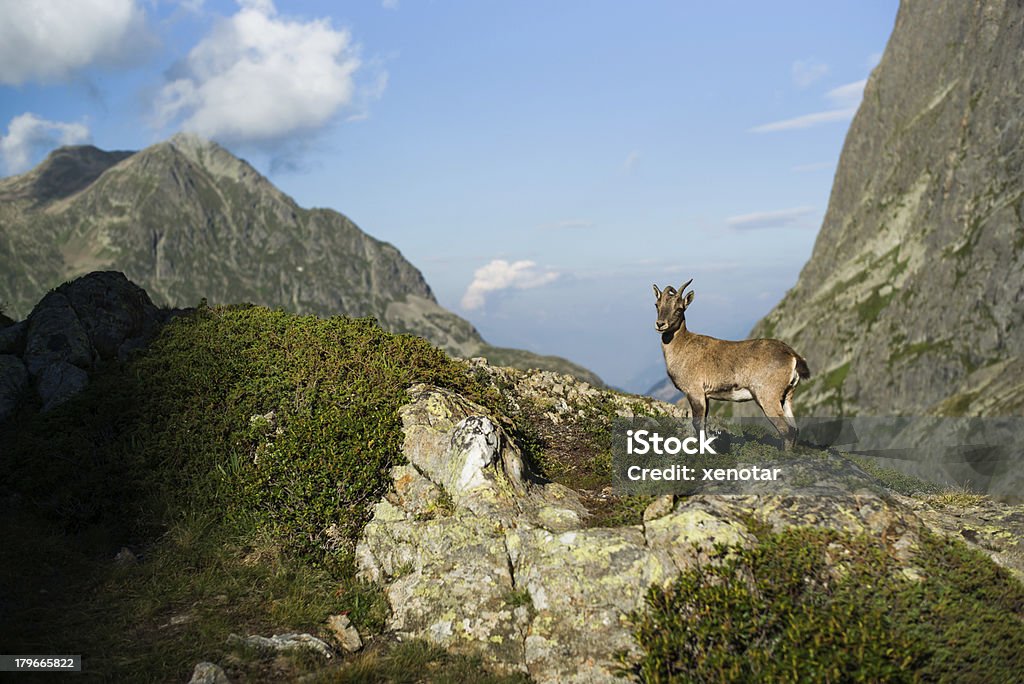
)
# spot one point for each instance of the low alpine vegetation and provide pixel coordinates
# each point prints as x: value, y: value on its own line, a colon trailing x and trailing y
x: 238, y: 459
x: 809, y: 604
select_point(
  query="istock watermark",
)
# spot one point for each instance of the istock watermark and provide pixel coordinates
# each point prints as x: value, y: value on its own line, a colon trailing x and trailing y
x: 833, y: 456
x: 660, y: 456
x: 642, y: 442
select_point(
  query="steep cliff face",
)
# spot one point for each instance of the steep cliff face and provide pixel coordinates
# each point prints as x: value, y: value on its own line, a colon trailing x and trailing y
x: 913, y: 298
x: 186, y: 219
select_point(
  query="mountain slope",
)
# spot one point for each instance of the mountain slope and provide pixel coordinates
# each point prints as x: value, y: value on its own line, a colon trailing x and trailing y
x: 912, y: 299
x: 186, y: 219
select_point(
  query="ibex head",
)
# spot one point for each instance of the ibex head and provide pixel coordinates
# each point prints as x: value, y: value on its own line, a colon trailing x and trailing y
x: 671, y: 305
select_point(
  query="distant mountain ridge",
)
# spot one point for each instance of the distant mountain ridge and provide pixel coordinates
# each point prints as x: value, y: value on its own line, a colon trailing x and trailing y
x: 187, y: 220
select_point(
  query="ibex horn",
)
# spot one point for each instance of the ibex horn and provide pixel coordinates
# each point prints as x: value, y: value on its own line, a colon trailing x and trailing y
x: 683, y: 288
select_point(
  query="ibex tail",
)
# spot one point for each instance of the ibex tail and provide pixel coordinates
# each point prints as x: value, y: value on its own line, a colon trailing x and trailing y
x: 801, y: 368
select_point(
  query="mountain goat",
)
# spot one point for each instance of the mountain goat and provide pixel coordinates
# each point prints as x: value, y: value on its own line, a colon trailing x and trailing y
x: 703, y: 367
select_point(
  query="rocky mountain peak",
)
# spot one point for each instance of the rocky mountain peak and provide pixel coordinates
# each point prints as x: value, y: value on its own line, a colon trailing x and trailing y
x: 213, y: 158
x: 188, y: 220
x: 912, y: 298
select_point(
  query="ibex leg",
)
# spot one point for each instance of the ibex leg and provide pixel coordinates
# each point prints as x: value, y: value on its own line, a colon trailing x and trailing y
x: 698, y: 410
x: 775, y: 412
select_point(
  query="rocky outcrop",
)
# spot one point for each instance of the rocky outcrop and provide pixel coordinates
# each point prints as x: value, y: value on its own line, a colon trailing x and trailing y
x: 99, y: 317
x: 912, y: 299
x: 282, y: 643
x: 187, y: 220
x: 559, y: 399
x: 477, y: 554
x: 344, y: 633
x: 12, y: 338
x: 208, y: 673
x: 13, y: 384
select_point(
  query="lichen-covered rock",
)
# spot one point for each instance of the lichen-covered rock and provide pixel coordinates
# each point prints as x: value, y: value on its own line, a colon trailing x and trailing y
x: 282, y: 643
x: 561, y: 398
x: 692, y: 530
x: 477, y: 556
x: 347, y: 635
x: 581, y: 584
x: 13, y: 383
x: 453, y: 578
x: 453, y: 443
x: 208, y: 673
x: 450, y: 581
x: 470, y: 465
x: 994, y: 528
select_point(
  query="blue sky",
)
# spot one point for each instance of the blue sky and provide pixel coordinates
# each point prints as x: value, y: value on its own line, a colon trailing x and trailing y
x: 541, y: 162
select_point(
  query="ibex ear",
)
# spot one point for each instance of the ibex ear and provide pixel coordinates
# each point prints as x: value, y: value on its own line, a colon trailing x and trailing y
x: 688, y: 299
x: 657, y: 292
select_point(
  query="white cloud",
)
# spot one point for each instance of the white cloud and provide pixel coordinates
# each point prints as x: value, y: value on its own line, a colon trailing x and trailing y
x: 848, y: 95
x: 27, y: 134
x: 807, y: 71
x: 49, y: 40
x: 845, y: 99
x: 258, y: 77
x: 502, y: 275
x: 375, y: 82
x: 389, y: 4
x: 782, y: 218
x: 805, y: 121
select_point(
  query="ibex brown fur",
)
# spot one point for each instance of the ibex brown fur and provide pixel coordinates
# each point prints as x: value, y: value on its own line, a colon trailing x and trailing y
x: 708, y: 368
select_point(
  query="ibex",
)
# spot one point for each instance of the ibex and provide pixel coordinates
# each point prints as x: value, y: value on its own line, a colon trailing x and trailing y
x: 708, y: 368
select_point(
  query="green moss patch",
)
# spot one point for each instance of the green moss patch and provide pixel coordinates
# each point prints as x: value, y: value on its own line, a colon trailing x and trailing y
x: 834, y: 379
x: 809, y: 604
x: 957, y: 405
x: 869, y: 310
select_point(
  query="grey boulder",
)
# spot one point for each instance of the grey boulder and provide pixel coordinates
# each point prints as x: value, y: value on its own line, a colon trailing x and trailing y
x: 13, y: 383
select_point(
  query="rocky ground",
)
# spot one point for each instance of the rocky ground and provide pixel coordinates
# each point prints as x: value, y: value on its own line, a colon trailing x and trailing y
x: 499, y: 538
x: 478, y: 555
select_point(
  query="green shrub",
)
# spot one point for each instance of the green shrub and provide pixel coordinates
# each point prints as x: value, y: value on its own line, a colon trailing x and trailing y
x: 810, y: 604
x: 187, y: 421
x: 334, y: 387
x: 239, y: 458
